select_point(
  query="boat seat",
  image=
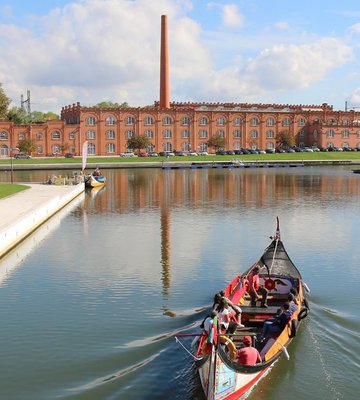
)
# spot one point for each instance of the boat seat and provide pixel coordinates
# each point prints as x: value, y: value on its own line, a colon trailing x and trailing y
x: 270, y: 310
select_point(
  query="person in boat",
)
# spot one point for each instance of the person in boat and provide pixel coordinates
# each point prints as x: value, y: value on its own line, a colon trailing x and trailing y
x: 293, y: 305
x: 248, y: 355
x: 209, y: 322
x: 254, y: 288
x: 225, y: 317
x: 275, y: 325
x: 97, y: 172
x: 216, y: 303
x: 294, y: 292
x: 237, y: 310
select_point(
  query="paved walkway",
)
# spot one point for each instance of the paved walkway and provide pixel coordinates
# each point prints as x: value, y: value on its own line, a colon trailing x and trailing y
x: 23, y: 212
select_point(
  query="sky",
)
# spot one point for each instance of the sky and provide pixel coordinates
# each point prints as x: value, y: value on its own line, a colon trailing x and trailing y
x: 248, y: 51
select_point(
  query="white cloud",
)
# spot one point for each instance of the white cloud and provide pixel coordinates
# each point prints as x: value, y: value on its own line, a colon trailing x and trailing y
x: 283, y: 25
x: 355, y: 29
x: 231, y: 16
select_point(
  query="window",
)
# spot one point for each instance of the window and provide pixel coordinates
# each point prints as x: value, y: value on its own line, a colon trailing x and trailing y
x: 149, y: 120
x: 270, y: 134
x: 269, y: 145
x: 185, y: 133
x: 221, y: 121
x: 56, y: 135
x: 21, y: 136
x: 110, y: 148
x: 315, y: 133
x: 254, y: 121
x: 345, y: 145
x: 91, y: 149
x: 346, y: 134
x: 302, y: 121
x: 110, y: 134
x: 204, y: 121
x: 203, y: 134
x: 39, y: 149
x: 286, y: 122
x: 72, y: 149
x: 330, y: 133
x: 346, y: 122
x: 167, y: 134
x: 301, y: 134
x: 221, y: 133
x: 90, y: 134
x: 254, y: 134
x: 149, y: 133
x: 72, y: 135
x: 237, y: 133
x: 185, y: 121
x: 4, y: 136
x: 129, y: 134
x: 185, y: 146
x: 237, y: 121
x: 167, y: 121
x: 4, y: 150
x: 329, y: 144
x: 90, y: 121
x: 56, y: 149
x: 167, y: 146
x: 150, y: 148
x: 110, y: 120
x: 270, y: 121
x: 129, y: 120
x: 237, y: 146
x: 203, y: 146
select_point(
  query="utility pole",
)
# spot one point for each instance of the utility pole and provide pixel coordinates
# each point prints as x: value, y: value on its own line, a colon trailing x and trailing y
x: 28, y: 104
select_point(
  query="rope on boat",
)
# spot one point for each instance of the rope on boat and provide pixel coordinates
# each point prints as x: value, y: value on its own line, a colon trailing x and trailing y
x: 272, y: 262
x: 192, y: 355
x: 285, y: 351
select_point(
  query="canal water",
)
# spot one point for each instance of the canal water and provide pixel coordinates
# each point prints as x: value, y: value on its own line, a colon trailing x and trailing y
x: 89, y: 302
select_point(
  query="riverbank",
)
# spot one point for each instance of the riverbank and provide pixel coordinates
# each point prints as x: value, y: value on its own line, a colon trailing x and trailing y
x: 22, y: 213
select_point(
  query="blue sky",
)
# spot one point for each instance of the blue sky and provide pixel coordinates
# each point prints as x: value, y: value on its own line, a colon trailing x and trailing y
x: 266, y: 51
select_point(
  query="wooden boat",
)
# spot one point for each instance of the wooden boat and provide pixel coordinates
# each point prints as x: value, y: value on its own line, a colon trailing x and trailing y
x: 222, y: 377
x: 95, y: 181
x: 356, y: 171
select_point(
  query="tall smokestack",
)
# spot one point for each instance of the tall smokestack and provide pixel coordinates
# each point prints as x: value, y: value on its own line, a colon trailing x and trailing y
x: 164, y: 66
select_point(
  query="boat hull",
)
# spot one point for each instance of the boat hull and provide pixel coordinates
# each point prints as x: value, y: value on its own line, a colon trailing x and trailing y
x: 95, y: 182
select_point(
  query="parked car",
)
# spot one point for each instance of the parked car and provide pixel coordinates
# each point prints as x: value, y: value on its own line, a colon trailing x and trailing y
x: 260, y: 151
x: 22, y: 155
x: 127, y: 154
x: 253, y: 151
x: 308, y: 150
x: 245, y: 151
x: 203, y: 153
x: 315, y: 148
x: 230, y: 153
x: 179, y: 153
x: 69, y: 155
x: 221, y: 153
x: 153, y: 154
x: 270, y: 151
x: 192, y: 153
x: 144, y: 154
x: 238, y: 152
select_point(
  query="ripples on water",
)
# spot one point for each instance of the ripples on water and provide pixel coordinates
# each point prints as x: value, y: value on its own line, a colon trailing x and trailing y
x: 91, y: 311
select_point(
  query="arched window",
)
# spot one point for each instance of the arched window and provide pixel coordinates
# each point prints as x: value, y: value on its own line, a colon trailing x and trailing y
x: 286, y: 122
x: 72, y: 149
x: 254, y: 133
x: 110, y: 120
x: 56, y: 149
x: 91, y: 149
x: 254, y: 121
x: 167, y: 134
x: 149, y: 133
x: 221, y: 121
x: 167, y: 120
x: 129, y: 120
x: 237, y: 121
x: 270, y: 121
x: 270, y: 134
x: 185, y: 133
x: 56, y: 135
x: 4, y: 135
x: 301, y: 134
x: 203, y: 146
x: 90, y: 120
x: 220, y: 133
x: 185, y: 121
x: 330, y: 133
x: 110, y: 134
x: 40, y: 149
x: 346, y: 122
x: 346, y: 134
x: 72, y: 135
x: 203, y: 121
x: 90, y: 134
x: 302, y: 121
x: 149, y: 120
x: 21, y: 136
x: 110, y: 148
x: 129, y: 134
x: 237, y: 146
x: 345, y: 145
x: 269, y: 145
x: 185, y: 146
x: 315, y: 133
x: 203, y: 134
x: 237, y: 133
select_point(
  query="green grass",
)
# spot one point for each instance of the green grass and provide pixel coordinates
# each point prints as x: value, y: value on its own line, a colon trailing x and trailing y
x: 320, y: 156
x: 7, y: 189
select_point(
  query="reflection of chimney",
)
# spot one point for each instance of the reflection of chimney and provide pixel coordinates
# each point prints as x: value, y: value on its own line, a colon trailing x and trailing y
x: 164, y: 66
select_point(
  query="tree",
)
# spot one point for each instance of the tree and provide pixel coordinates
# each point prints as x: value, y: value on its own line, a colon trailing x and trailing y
x: 38, y: 116
x: 285, y: 139
x: 138, y: 142
x: 109, y: 104
x: 27, y: 145
x: 216, y: 142
x: 18, y: 115
x: 4, y: 103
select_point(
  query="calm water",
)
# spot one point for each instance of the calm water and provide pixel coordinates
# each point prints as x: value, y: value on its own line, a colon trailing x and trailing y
x: 89, y: 302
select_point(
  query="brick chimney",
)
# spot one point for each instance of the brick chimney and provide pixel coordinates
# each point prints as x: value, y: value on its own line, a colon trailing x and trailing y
x: 164, y: 66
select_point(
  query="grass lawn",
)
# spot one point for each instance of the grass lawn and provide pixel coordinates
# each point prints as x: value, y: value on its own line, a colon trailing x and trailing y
x: 320, y: 156
x: 7, y: 189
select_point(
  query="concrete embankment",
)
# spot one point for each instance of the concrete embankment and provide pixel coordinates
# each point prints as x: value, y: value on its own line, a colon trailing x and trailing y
x: 23, y: 212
